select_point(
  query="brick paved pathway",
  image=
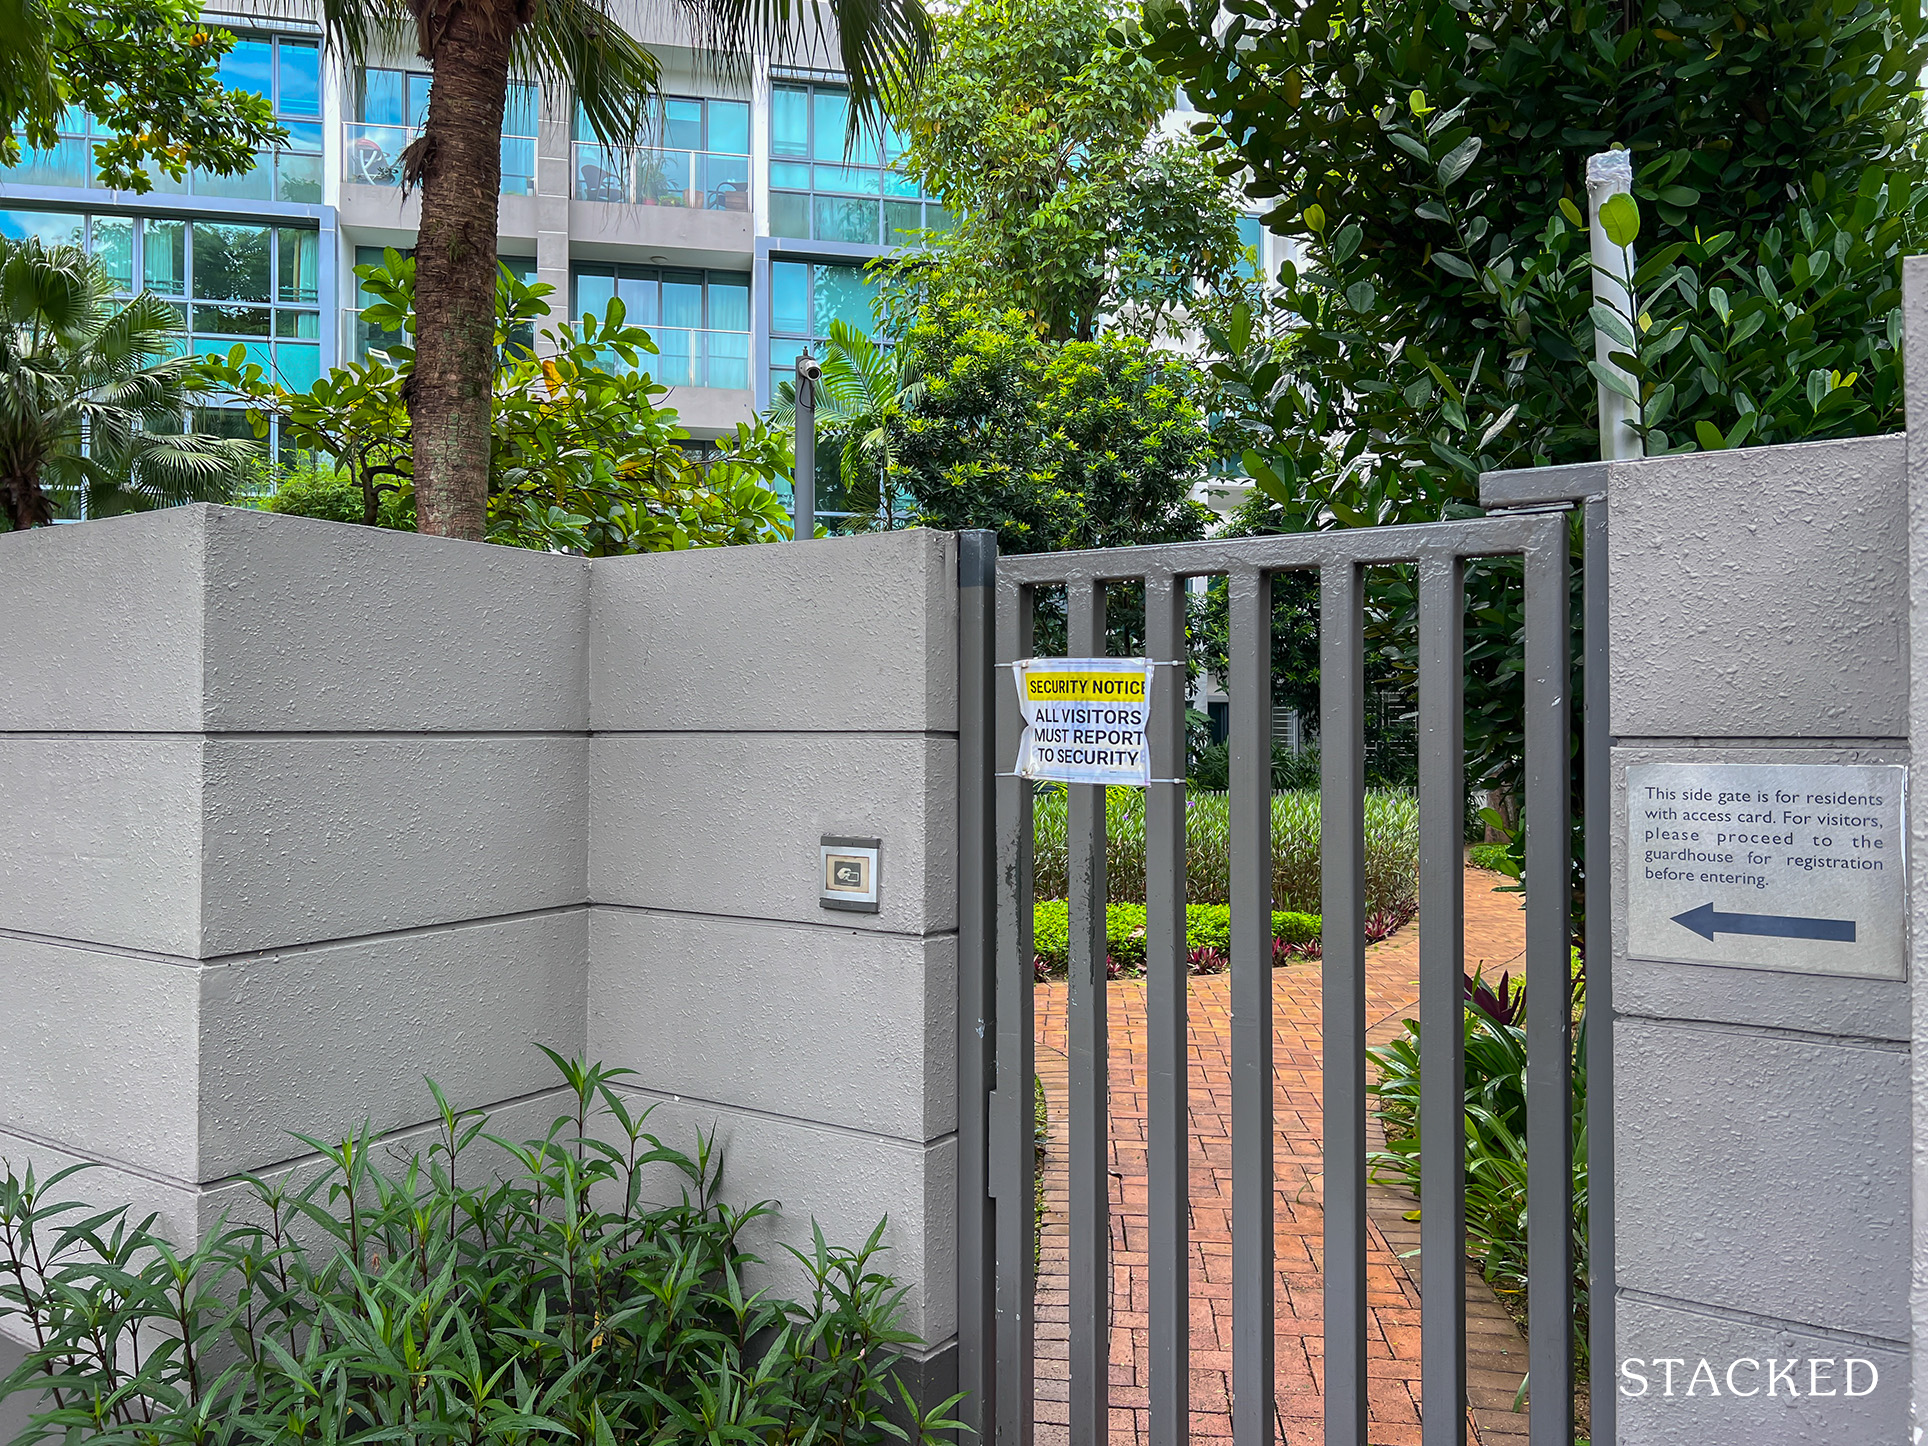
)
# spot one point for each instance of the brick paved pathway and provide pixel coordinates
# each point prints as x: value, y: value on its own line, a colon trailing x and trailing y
x: 1494, y: 939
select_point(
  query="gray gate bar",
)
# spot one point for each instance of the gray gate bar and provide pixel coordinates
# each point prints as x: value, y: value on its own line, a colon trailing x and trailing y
x: 1253, y: 1281
x: 1549, y: 1099
x: 1013, y: 1164
x: 1442, y: 1038
x: 1599, y: 935
x: 976, y: 978
x: 1168, y: 1123
x: 1089, y: 1145
x: 1440, y: 549
x: 1342, y: 976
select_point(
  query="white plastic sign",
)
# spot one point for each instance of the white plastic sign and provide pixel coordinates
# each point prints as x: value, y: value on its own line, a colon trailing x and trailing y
x: 1084, y: 719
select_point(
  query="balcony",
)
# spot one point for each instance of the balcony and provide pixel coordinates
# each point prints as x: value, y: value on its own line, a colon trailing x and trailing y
x: 283, y: 175
x: 687, y: 358
x: 371, y: 155
x: 657, y: 176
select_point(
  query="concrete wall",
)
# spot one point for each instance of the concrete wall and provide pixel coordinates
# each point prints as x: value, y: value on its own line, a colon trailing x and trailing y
x: 292, y: 814
x: 729, y: 735
x: 1759, y: 615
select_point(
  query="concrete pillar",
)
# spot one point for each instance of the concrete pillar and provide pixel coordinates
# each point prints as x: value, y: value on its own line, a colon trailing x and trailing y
x: 1758, y: 612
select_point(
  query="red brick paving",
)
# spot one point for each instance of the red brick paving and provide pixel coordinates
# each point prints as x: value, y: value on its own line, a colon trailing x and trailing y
x: 1494, y: 939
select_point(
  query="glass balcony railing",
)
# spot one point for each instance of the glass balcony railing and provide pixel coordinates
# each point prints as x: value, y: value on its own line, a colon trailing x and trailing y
x: 371, y: 155
x: 700, y: 358
x: 285, y: 175
x: 686, y: 357
x: 656, y: 176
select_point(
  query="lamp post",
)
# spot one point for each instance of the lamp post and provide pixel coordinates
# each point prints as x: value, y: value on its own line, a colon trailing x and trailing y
x: 805, y: 488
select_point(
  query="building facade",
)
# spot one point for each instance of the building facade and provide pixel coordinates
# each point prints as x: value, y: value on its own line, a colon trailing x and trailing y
x: 736, y: 227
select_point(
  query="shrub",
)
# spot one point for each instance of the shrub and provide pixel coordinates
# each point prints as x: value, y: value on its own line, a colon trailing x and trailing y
x: 405, y: 1306
x: 335, y: 497
x: 1208, y: 936
x: 1495, y: 1137
x: 1392, y: 849
x: 1493, y: 856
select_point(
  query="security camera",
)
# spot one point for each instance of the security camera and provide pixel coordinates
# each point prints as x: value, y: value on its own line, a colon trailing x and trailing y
x: 808, y: 369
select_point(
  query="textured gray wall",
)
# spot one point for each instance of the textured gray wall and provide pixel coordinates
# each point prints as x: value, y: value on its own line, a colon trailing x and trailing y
x: 292, y: 814
x: 1759, y: 611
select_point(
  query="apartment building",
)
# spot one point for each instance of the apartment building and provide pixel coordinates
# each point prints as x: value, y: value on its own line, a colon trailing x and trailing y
x: 736, y: 227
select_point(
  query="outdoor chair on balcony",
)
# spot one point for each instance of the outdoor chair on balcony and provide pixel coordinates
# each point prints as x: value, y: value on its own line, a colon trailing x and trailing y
x: 601, y: 185
x: 370, y: 163
x: 730, y: 196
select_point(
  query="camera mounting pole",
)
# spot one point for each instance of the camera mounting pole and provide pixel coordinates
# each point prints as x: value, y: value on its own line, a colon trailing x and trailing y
x: 805, y: 487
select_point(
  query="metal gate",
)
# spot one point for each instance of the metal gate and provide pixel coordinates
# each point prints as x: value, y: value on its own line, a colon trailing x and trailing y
x: 995, y: 1259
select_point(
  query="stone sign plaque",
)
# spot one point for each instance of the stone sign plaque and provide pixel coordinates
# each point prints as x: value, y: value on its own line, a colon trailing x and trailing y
x: 1792, y: 866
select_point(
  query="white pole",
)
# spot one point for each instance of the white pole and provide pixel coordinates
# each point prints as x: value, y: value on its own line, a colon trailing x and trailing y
x: 1611, y: 174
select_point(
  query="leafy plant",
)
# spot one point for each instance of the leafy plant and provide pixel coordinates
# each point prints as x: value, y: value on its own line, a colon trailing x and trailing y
x: 439, y: 1300
x: 1495, y: 1137
x: 94, y: 395
x: 583, y: 456
x: 1053, y: 445
x: 1392, y: 849
x: 862, y: 399
x: 1038, y: 124
x: 147, y: 71
x: 1208, y: 936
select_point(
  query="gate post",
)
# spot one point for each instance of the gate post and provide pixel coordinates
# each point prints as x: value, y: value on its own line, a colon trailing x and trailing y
x: 977, y: 979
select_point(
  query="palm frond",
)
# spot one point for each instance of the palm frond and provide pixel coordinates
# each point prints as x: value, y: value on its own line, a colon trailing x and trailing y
x: 365, y: 30
x: 575, y: 43
x: 880, y: 44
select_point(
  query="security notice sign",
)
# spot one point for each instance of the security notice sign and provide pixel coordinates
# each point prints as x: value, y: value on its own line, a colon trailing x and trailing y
x: 1796, y: 867
x: 1084, y: 719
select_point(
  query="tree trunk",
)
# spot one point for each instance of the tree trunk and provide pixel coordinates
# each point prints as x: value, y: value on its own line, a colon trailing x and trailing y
x: 455, y: 262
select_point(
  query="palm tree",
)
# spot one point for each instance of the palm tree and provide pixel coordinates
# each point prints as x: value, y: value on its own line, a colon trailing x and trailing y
x: 864, y: 395
x: 474, y: 45
x: 93, y: 396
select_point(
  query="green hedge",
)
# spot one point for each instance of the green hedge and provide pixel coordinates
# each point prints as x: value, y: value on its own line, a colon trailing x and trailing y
x: 1392, y: 849
x: 1207, y: 926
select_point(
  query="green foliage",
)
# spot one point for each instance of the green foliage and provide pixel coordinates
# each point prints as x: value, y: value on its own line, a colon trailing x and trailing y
x: 1392, y: 849
x: 583, y: 457
x: 1442, y: 324
x: 1207, y: 926
x: 1037, y: 124
x: 146, y: 70
x: 1210, y: 768
x: 1433, y: 158
x: 93, y: 396
x: 1053, y: 445
x: 439, y: 1302
x: 864, y: 394
x: 333, y: 497
x: 1495, y: 1146
x: 1497, y: 857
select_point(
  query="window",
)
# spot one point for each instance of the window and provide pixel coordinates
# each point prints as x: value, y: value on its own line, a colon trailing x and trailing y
x: 391, y: 106
x: 1251, y: 232
x: 699, y: 320
x: 805, y: 297
x: 694, y: 151
x: 286, y: 69
x: 821, y: 191
x: 247, y: 283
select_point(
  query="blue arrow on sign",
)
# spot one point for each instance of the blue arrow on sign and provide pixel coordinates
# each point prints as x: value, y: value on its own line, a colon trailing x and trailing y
x: 1708, y: 921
